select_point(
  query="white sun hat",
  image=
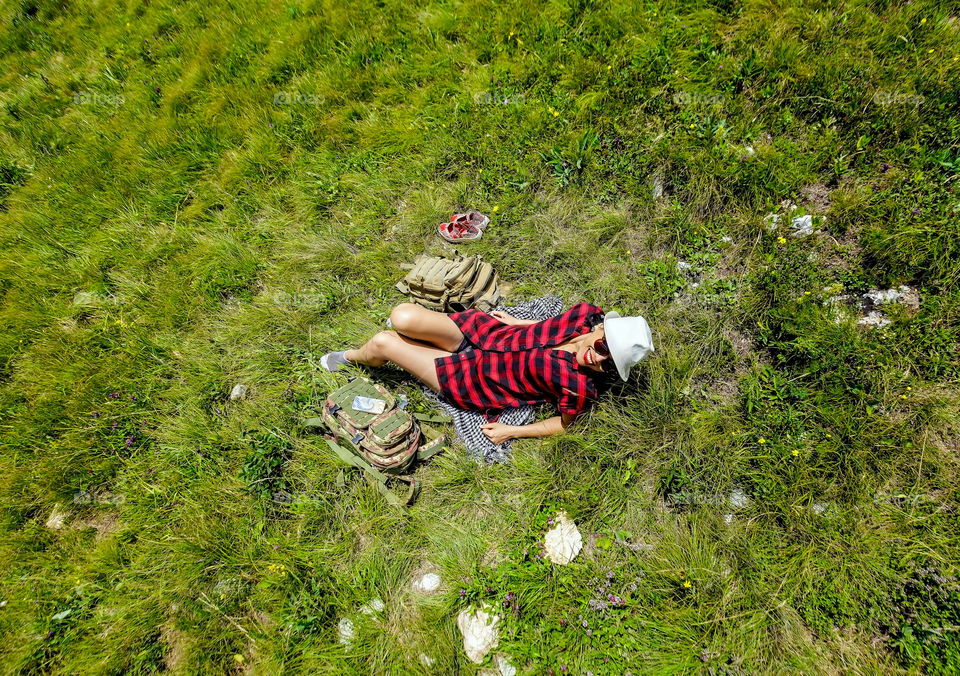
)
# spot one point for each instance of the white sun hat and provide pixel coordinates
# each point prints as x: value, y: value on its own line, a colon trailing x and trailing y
x: 629, y: 341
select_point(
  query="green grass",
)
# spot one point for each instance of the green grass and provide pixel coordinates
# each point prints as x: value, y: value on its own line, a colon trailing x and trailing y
x: 198, y: 195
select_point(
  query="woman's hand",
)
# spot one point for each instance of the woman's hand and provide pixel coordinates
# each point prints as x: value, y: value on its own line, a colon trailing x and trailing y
x: 498, y: 432
x: 504, y: 317
x: 510, y: 320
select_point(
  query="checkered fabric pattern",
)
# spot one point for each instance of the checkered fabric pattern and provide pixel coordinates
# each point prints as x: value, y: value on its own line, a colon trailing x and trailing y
x: 468, y: 423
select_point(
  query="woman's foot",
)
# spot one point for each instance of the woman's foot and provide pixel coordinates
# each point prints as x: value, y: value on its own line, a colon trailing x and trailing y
x: 332, y: 361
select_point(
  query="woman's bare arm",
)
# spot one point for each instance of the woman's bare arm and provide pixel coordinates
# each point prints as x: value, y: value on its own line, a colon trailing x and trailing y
x: 498, y: 432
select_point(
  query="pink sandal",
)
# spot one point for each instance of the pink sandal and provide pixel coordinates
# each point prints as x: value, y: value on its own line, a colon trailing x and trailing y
x: 475, y: 218
x: 455, y: 231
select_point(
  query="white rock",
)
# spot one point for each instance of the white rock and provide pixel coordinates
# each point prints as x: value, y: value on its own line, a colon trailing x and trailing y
x: 726, y: 239
x: 728, y: 519
x: 657, y: 191
x: 802, y: 225
x: 479, y: 629
x: 874, y: 318
x: 502, y: 663
x: 375, y: 605
x: 347, y: 631
x: 819, y: 508
x: 683, y: 265
x: 738, y: 499
x: 238, y: 392
x: 903, y: 295
x: 428, y: 583
x: 426, y: 660
x: 55, y: 520
x: 563, y: 542
x: 750, y: 150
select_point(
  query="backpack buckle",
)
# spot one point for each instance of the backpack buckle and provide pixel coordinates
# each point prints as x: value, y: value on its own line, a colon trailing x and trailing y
x: 357, y: 439
x: 335, y: 408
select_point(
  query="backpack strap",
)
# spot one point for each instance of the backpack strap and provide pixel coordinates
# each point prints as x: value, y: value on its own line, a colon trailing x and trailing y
x: 377, y: 479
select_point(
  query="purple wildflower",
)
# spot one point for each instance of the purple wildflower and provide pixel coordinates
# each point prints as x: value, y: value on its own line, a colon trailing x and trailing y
x: 584, y: 623
x: 916, y: 212
x: 96, y: 414
x: 463, y: 592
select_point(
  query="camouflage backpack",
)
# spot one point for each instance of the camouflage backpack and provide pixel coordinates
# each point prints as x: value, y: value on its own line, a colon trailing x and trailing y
x: 379, y: 442
x: 449, y: 285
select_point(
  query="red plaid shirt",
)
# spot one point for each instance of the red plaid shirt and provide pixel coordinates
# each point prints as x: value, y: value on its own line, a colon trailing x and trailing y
x: 514, y: 365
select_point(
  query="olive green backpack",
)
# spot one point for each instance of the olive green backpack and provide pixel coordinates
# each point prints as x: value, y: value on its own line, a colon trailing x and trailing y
x: 455, y: 285
x: 377, y: 443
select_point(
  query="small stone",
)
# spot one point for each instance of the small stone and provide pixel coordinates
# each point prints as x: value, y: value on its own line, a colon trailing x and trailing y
x: 502, y: 663
x: 657, y: 190
x: 375, y: 605
x: 802, y: 225
x: 738, y: 499
x: 347, y: 631
x: 426, y: 660
x: 750, y: 150
x: 479, y: 629
x: 428, y: 583
x: 563, y: 542
x: 238, y: 392
x: 903, y: 295
x: 874, y: 318
x: 56, y: 518
x: 728, y: 519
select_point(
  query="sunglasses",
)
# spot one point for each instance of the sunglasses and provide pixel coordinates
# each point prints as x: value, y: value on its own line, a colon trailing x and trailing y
x: 603, y: 350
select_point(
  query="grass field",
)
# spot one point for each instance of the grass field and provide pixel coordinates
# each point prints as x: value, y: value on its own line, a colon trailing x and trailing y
x: 199, y: 195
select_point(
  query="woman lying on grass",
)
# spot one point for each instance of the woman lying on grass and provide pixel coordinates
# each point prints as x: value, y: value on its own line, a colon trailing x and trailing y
x: 560, y: 360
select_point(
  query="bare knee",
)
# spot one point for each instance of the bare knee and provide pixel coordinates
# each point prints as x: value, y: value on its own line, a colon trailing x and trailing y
x: 382, y: 342
x: 404, y: 316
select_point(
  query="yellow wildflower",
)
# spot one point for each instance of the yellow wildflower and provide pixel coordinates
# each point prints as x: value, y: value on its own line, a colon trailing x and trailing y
x: 687, y: 584
x: 806, y: 293
x: 929, y: 51
x: 556, y: 114
x: 923, y: 21
x: 761, y: 440
x: 795, y: 453
x: 496, y: 209
x: 781, y: 240
x: 829, y: 436
x: 692, y: 125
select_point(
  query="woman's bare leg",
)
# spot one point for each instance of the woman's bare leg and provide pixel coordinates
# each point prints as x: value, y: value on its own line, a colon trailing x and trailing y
x: 414, y: 358
x: 417, y: 322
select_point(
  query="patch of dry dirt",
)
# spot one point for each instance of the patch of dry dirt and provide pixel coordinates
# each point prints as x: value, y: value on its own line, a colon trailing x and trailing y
x: 816, y: 197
